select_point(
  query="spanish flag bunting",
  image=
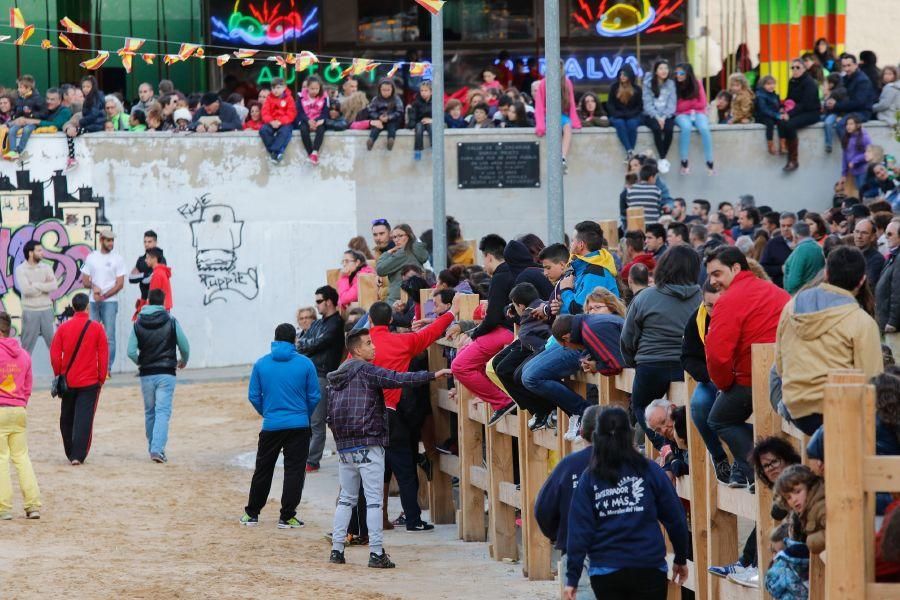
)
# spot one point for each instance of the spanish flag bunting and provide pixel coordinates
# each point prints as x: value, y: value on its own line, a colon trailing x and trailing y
x: 246, y: 62
x: 244, y: 53
x: 346, y: 71
x: 126, y: 62
x: 148, y: 58
x: 290, y: 59
x: 71, y: 26
x: 16, y: 19
x: 132, y: 45
x: 432, y: 6
x: 222, y: 59
x: 360, y: 65
x: 200, y: 53
x: 46, y: 44
x: 187, y: 50
x: 281, y: 62
x: 96, y: 62
x: 307, y: 54
x: 171, y: 59
x: 393, y: 70
x: 26, y: 33
x: 303, y: 63
x: 417, y: 68
x: 64, y: 39
x: 334, y: 61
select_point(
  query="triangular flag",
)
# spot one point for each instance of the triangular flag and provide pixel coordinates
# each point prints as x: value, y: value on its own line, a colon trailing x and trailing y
x: 432, y: 6
x: 393, y: 70
x: 309, y: 55
x: 16, y: 19
x: 26, y: 33
x: 417, y: 68
x: 346, y: 71
x: 281, y: 62
x: 187, y: 50
x: 371, y: 67
x: 244, y: 53
x: 126, y: 61
x: 46, y: 44
x: 96, y: 62
x: 148, y: 58
x: 290, y: 59
x: 67, y: 42
x: 360, y: 65
x: 246, y: 62
x: 222, y: 59
x: 200, y: 53
x: 71, y: 26
x: 132, y: 45
x: 334, y: 61
x: 171, y: 59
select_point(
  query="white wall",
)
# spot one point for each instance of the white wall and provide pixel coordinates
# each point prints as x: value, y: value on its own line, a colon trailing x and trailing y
x: 297, y: 218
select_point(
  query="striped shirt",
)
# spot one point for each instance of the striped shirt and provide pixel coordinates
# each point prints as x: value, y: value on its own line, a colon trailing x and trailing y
x: 647, y: 196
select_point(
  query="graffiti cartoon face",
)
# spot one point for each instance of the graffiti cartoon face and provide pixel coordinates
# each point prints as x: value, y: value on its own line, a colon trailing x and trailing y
x: 216, y: 236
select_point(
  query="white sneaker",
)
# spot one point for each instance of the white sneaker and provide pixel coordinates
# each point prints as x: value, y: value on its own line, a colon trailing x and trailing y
x: 574, y: 428
x: 664, y: 166
x: 747, y: 577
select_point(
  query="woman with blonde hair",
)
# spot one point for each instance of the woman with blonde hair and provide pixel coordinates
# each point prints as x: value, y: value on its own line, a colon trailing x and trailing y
x: 603, y: 302
x: 742, y: 98
x: 355, y: 110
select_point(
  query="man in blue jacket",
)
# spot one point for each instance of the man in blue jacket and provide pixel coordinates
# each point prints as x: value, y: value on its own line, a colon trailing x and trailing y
x: 861, y: 95
x: 284, y: 389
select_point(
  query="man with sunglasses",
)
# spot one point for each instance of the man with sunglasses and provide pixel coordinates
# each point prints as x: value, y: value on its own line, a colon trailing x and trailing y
x: 323, y: 344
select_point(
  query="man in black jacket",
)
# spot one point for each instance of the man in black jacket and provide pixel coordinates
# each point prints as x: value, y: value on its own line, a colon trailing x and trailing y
x: 323, y: 343
x: 494, y: 332
x: 860, y: 95
x: 215, y: 115
x: 778, y: 249
x: 141, y: 273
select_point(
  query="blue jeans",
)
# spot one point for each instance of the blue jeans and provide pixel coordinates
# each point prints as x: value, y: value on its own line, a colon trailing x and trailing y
x: 26, y: 133
x: 728, y: 418
x: 829, y: 120
x: 158, y: 391
x: 276, y: 140
x: 105, y: 314
x: 543, y: 374
x: 626, y: 129
x: 651, y: 382
x: 701, y: 124
x: 701, y: 403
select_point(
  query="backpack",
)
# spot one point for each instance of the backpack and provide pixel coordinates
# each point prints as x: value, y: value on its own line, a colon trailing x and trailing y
x: 788, y: 577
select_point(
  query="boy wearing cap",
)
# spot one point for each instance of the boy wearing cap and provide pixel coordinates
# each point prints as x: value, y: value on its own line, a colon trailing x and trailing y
x: 103, y: 273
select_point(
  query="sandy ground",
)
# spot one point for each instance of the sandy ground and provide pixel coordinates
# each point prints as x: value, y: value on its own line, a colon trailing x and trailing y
x: 123, y: 527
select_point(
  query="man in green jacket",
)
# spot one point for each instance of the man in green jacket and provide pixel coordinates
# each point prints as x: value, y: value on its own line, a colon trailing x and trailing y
x: 806, y: 260
x: 57, y: 115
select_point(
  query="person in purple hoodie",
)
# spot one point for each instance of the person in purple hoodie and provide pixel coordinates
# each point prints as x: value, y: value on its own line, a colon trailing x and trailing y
x: 855, y: 143
x: 15, y: 390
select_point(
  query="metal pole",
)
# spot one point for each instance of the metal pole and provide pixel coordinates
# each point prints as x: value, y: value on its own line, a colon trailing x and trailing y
x: 439, y: 229
x: 555, y: 202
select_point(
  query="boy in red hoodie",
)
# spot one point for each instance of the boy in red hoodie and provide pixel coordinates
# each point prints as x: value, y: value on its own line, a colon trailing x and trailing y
x: 161, y: 278
x: 15, y: 390
x: 278, y: 113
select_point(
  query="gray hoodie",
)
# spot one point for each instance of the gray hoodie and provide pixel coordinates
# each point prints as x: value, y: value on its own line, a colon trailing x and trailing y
x: 654, y: 325
x: 888, y: 103
x: 662, y: 106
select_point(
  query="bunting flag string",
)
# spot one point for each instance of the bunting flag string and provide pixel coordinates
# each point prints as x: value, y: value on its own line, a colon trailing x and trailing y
x: 127, y: 52
x: 26, y: 33
x: 96, y: 62
x: 71, y: 26
x: 64, y: 39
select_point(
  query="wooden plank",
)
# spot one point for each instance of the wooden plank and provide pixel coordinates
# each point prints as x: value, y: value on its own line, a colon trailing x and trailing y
x: 722, y: 538
x: 634, y: 219
x: 332, y: 276
x: 440, y: 488
x: 844, y: 495
x: 766, y: 423
x: 501, y: 516
x: 816, y: 578
x: 610, y: 230
x: 733, y: 591
x: 625, y: 380
x: 882, y: 591
x: 445, y: 402
x: 510, y: 496
x: 868, y: 410
x: 737, y: 501
x: 467, y: 305
x: 545, y: 438
x: 368, y: 289
x: 476, y: 411
x: 678, y: 393
x: 471, y: 496
x: 478, y: 476
x: 533, y: 469
x: 683, y: 487
x: 508, y: 425
x: 699, y: 464
x: 449, y: 464
x: 881, y: 474
x: 790, y: 429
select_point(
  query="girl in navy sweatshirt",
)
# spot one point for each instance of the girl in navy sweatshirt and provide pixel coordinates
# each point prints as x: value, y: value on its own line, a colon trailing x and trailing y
x: 615, y: 515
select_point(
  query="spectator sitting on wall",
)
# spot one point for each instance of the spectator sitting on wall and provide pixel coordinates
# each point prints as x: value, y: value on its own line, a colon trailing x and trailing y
x: 311, y: 113
x: 453, y: 115
x: 215, y: 115
x: 254, y: 120
x: 385, y: 114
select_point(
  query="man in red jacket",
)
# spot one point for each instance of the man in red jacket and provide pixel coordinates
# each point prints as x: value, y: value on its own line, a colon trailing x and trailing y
x: 85, y: 370
x: 278, y: 114
x: 405, y: 416
x: 747, y: 313
x: 161, y: 279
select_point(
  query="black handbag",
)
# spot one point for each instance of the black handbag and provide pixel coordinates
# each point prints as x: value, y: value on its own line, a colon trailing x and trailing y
x: 60, y: 386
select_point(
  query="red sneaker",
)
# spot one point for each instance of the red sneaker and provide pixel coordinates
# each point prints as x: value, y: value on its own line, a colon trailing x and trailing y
x: 311, y: 468
x: 314, y: 158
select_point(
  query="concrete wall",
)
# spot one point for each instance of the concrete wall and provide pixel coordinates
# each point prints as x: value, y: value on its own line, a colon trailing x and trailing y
x: 249, y: 242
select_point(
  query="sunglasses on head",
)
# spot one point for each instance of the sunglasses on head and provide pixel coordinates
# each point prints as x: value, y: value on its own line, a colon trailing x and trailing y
x: 379, y: 222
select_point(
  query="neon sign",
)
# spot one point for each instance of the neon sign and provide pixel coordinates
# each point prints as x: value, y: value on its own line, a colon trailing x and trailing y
x: 629, y: 17
x: 596, y: 69
x: 332, y: 74
x: 265, y: 26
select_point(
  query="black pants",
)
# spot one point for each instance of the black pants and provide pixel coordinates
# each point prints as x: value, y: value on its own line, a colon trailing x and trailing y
x: 749, y: 557
x: 662, y: 136
x: 770, y: 124
x: 421, y: 129
x: 311, y: 144
x: 808, y: 424
x: 295, y: 444
x: 402, y: 463
x: 508, y: 365
x: 788, y: 129
x: 76, y: 421
x: 630, y: 584
x: 390, y: 127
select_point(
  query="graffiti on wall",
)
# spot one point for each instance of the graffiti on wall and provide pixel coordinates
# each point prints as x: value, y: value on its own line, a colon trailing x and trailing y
x: 67, y: 226
x: 216, y: 236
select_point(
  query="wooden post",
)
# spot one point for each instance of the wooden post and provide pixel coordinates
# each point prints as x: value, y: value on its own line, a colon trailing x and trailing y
x: 845, y: 447
x: 722, y: 534
x: 368, y: 289
x: 634, y: 219
x: 610, y: 232
x: 332, y: 276
x: 467, y: 305
x: 471, y: 497
x: 766, y: 422
x: 533, y: 468
x: 700, y: 466
x: 502, y: 515
x: 440, y: 489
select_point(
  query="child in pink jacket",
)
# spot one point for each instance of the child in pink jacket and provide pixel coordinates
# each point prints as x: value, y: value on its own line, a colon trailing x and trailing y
x: 570, y: 118
x: 15, y: 390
